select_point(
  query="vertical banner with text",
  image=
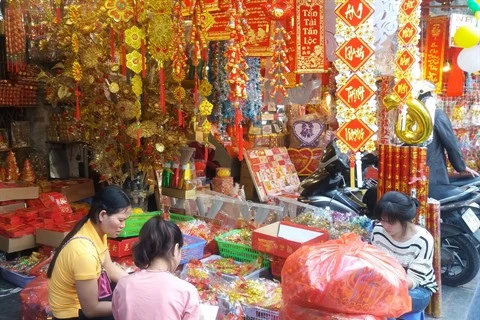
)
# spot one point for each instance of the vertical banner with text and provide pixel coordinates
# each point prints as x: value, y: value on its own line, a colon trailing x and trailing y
x: 434, y: 51
x: 356, y: 106
x: 310, y: 36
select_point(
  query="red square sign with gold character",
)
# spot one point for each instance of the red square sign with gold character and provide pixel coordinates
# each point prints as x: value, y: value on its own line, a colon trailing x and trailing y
x: 354, y: 12
x: 354, y: 134
x: 408, y: 6
x: 407, y: 33
x: 355, y: 92
x: 355, y: 52
x: 405, y: 60
x: 402, y: 89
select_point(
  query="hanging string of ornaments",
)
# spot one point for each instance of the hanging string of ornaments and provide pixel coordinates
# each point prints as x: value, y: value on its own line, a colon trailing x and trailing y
x: 236, y: 66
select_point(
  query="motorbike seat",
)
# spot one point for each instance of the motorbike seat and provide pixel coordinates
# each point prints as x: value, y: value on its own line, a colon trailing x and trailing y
x: 463, y: 181
x: 446, y: 193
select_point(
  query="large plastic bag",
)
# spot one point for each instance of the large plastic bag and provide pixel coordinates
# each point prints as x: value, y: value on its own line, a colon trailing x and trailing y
x: 294, y: 312
x: 346, y: 276
x: 34, y: 299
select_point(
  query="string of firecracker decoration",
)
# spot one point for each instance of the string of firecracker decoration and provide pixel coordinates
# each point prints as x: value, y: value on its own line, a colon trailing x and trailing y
x: 236, y: 65
x: 15, y: 37
x: 279, y: 62
x: 179, y: 57
x: 365, y: 31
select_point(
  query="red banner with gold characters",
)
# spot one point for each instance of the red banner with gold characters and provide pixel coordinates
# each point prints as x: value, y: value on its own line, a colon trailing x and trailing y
x: 356, y: 104
x: 310, y: 36
x: 434, y: 53
x: 258, y: 36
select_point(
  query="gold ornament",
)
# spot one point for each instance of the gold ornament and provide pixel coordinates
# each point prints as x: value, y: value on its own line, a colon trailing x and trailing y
x: 120, y: 10
x: 391, y: 102
x: 113, y: 87
x: 75, y: 43
x: 127, y: 109
x: 416, y: 125
x: 76, y: 71
x: 205, y: 88
x: 137, y: 85
x: 159, y: 147
x: 205, y: 108
x: 134, y: 61
x: 133, y: 37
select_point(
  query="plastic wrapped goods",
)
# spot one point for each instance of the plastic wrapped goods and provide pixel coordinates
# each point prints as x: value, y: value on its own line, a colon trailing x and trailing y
x: 346, y: 276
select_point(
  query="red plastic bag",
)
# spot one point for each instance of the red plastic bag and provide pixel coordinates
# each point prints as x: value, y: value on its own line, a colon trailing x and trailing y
x: 34, y: 299
x: 294, y: 312
x: 346, y: 276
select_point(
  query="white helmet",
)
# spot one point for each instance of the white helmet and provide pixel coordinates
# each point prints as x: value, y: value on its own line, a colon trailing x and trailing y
x: 421, y: 87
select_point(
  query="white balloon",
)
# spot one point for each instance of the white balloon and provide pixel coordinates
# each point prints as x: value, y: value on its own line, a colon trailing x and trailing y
x: 469, y: 59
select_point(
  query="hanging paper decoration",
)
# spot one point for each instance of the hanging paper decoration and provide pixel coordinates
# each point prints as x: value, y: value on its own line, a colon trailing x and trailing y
x: 356, y: 104
x: 434, y: 50
x: 15, y: 37
x: 236, y: 66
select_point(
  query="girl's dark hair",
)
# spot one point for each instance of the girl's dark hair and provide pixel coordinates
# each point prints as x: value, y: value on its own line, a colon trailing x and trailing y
x: 157, y: 239
x: 395, y: 206
x: 112, y: 199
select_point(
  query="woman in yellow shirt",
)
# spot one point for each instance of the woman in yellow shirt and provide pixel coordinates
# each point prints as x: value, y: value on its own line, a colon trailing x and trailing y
x: 76, y: 267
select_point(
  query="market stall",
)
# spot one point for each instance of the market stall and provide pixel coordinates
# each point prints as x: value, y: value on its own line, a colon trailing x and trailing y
x: 210, y: 114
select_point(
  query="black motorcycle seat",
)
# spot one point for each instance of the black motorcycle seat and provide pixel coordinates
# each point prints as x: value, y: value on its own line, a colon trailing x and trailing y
x: 462, y: 181
x: 443, y: 193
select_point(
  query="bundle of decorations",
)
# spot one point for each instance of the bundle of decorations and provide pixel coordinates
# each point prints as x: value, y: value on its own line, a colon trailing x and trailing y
x: 207, y: 284
x: 204, y: 230
x: 337, y: 223
x: 317, y: 277
x: 26, y: 265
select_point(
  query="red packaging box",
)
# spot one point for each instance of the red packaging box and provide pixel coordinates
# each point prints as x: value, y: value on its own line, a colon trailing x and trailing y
x: 56, y: 200
x: 11, y: 219
x: 283, y: 238
x: 35, y: 203
x: 121, y: 247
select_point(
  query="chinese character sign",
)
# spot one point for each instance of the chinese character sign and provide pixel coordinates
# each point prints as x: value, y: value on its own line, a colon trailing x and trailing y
x: 435, y: 50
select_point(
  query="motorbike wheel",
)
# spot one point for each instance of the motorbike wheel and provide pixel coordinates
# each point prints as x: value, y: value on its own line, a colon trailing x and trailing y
x: 460, y: 261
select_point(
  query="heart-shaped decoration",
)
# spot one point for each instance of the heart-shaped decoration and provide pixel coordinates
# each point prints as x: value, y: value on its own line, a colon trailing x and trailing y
x: 307, y: 132
x: 300, y: 158
x: 317, y: 154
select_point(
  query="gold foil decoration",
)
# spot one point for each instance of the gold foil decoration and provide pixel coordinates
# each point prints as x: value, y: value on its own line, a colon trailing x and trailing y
x: 416, y: 126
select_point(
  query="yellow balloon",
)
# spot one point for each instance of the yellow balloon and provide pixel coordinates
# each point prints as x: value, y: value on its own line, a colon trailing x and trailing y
x: 466, y: 36
x: 391, y: 101
x: 418, y: 125
x: 477, y: 15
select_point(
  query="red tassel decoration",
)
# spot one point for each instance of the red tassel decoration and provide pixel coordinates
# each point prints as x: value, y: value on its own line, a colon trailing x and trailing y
x: 206, y: 152
x: 138, y: 135
x: 144, y: 68
x: 124, y: 56
x: 112, y: 45
x: 161, y: 81
x: 195, y: 89
x: 239, y: 133
x: 180, y: 117
x: 58, y: 14
x: 77, y: 102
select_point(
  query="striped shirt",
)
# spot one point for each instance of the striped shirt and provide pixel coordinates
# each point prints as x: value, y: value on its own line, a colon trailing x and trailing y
x: 415, y: 255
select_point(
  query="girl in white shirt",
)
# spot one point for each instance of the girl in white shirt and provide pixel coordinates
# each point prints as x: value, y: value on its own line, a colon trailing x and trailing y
x: 409, y: 243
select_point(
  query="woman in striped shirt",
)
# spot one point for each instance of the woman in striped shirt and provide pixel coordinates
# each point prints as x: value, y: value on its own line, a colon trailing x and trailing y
x: 407, y: 242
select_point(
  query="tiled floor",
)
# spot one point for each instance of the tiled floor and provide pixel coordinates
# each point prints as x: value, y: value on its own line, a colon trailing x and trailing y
x: 456, y: 301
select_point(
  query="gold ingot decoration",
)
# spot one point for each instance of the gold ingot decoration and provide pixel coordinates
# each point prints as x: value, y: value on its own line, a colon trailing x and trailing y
x: 417, y: 126
x: 391, y: 102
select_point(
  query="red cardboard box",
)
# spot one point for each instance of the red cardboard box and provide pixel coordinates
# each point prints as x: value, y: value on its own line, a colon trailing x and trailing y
x: 121, y: 247
x: 283, y: 238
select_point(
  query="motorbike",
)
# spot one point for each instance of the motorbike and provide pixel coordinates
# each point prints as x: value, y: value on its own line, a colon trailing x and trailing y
x: 459, y: 227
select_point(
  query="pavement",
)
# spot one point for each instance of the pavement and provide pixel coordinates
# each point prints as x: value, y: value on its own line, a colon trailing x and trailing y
x: 455, y: 301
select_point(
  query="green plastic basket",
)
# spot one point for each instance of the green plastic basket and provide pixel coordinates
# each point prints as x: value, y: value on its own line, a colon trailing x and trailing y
x: 239, y: 252
x: 135, y: 222
x: 175, y: 217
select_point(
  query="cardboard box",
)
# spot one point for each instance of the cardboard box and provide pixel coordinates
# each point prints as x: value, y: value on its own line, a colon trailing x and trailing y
x: 283, y: 238
x: 121, y: 247
x: 12, y: 207
x: 50, y: 237
x: 9, y: 245
x: 19, y: 193
x: 179, y: 194
x: 74, y: 190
